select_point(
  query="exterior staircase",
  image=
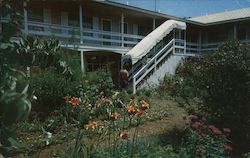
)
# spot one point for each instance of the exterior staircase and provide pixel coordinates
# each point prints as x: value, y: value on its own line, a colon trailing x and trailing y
x: 165, y: 61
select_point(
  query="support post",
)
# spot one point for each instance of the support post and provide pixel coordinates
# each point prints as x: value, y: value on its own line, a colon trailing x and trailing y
x: 235, y: 31
x: 185, y: 42
x: 25, y: 15
x: 199, y: 41
x: 134, y: 86
x: 122, y: 30
x: 81, y: 24
x: 154, y: 24
x: 82, y: 62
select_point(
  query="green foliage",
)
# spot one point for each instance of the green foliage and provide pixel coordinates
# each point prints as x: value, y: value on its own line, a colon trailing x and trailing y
x: 50, y: 88
x: 246, y: 155
x: 222, y: 80
x: 205, y: 141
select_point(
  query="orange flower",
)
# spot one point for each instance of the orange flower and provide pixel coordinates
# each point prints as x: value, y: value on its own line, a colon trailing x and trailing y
x: 108, y: 101
x: 98, y: 102
x: 144, y: 104
x: 67, y: 98
x: 75, y: 101
x: 91, y: 124
x: 123, y: 135
x: 131, y: 109
x: 138, y: 113
x: 115, y: 116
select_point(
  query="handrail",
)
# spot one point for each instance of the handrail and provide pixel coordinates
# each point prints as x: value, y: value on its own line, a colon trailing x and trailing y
x: 153, y: 58
x: 152, y: 64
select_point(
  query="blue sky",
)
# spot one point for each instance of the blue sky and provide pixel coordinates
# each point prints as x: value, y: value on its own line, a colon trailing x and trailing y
x: 189, y: 8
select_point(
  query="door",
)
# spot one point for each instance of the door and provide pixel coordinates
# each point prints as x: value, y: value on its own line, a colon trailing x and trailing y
x: 107, y: 27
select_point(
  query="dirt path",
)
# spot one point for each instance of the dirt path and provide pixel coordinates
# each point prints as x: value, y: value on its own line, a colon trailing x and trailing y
x: 174, y: 121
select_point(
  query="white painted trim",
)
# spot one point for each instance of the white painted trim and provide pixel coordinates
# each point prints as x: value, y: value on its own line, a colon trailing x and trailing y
x: 122, y: 29
x: 154, y: 26
x: 82, y: 62
x: 81, y: 23
x: 25, y: 13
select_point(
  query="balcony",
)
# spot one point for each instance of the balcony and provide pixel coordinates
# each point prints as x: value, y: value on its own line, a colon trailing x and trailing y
x: 70, y: 35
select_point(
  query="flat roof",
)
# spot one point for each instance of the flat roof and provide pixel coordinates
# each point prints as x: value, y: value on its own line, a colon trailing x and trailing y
x: 217, y: 18
x: 145, y: 11
x: 223, y: 17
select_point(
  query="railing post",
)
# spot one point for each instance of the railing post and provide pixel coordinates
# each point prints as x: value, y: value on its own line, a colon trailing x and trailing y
x: 81, y: 24
x: 134, y: 85
x: 25, y: 15
x: 82, y: 62
x: 174, y: 46
x: 154, y: 24
x: 200, y: 42
x: 122, y: 30
x: 235, y: 31
x: 185, y: 42
x: 155, y: 65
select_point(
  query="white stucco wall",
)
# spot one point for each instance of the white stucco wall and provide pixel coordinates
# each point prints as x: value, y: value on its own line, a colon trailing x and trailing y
x: 168, y: 67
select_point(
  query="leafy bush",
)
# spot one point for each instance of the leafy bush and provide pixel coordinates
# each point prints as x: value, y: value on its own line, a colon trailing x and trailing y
x: 223, y: 78
x: 205, y: 141
x: 50, y: 88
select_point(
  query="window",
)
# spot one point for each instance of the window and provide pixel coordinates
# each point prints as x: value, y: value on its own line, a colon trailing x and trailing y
x: 73, y: 19
x: 36, y: 15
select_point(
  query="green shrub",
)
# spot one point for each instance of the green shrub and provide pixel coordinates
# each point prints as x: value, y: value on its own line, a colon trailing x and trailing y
x: 50, y: 88
x: 223, y: 82
x: 205, y: 141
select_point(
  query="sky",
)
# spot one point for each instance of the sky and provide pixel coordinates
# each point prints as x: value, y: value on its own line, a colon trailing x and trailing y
x: 188, y: 8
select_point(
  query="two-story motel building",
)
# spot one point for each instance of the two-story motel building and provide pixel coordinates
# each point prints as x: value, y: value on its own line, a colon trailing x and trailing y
x: 101, y: 33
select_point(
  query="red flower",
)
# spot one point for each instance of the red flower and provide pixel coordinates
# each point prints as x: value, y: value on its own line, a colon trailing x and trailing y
x: 216, y: 131
x: 74, y: 101
x: 202, y: 134
x: 196, y: 125
x: 227, y: 147
x: 193, y: 118
x: 211, y: 127
x: 226, y: 130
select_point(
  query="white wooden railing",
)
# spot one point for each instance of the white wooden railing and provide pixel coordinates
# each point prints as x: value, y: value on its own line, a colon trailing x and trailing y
x: 70, y: 34
x: 152, y: 65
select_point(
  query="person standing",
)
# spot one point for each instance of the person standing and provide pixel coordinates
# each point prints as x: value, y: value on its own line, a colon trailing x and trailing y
x: 124, y: 78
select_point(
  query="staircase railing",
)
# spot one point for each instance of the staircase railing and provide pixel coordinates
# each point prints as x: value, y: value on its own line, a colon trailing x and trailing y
x: 151, y: 65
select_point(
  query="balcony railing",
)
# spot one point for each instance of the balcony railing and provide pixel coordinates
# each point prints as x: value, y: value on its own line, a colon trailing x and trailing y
x: 90, y: 37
